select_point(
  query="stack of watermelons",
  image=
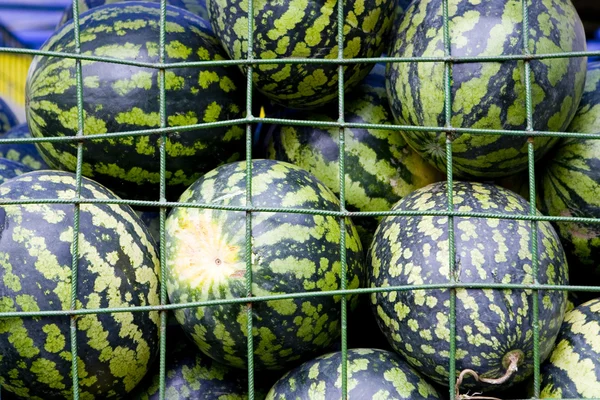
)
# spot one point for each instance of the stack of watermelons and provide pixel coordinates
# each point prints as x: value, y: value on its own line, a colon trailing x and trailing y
x: 382, y: 225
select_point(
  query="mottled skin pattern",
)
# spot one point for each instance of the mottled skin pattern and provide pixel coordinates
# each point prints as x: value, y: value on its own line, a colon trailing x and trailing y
x: 303, y: 29
x: 123, y: 98
x: 380, y: 167
x: 192, y: 375
x: 573, y: 369
x: 118, y: 267
x: 9, y: 169
x: 490, y: 323
x: 570, y: 186
x: 291, y: 253
x: 372, y: 375
x: 197, y: 7
x: 25, y: 153
x: 486, y: 95
x: 7, y: 118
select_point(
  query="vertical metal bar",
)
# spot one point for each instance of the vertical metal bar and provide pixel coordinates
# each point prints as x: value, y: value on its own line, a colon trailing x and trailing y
x: 162, y: 194
x: 249, y: 313
x: 342, y: 220
x: 450, y: 201
x: 532, y: 201
x: 76, y: 206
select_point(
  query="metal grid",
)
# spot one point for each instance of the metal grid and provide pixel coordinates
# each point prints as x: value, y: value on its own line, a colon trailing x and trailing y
x: 250, y: 62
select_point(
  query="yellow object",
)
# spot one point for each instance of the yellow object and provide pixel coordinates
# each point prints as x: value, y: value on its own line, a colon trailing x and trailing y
x: 13, y: 73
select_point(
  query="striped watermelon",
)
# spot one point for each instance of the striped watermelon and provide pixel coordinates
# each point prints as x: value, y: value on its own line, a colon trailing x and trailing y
x: 25, y: 153
x: 570, y: 186
x: 372, y: 375
x: 572, y: 369
x: 380, y: 167
x: 10, y: 169
x: 492, y: 325
x: 487, y: 95
x: 197, y: 7
x: 291, y: 253
x: 8, y: 119
x: 118, y: 267
x: 122, y: 98
x: 303, y: 29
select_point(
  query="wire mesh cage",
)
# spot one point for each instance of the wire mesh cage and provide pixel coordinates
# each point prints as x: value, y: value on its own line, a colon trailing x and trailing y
x: 12, y: 83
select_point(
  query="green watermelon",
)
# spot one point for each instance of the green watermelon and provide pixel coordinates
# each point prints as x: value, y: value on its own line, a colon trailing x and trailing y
x: 488, y: 95
x: 380, y: 168
x: 492, y: 325
x: 8, y: 119
x: 192, y: 375
x: 25, y: 153
x: 372, y: 375
x: 197, y: 7
x: 118, y: 267
x: 10, y: 169
x: 120, y: 98
x: 573, y: 369
x: 570, y: 186
x: 152, y: 221
x: 303, y: 29
x: 291, y: 253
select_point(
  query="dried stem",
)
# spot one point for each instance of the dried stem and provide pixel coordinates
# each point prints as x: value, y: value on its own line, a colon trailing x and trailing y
x: 514, y: 359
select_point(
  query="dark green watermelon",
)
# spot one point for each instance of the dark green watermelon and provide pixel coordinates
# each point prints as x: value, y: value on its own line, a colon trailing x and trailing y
x: 372, y: 375
x: 120, y: 98
x: 380, y: 168
x: 10, y: 169
x: 118, y: 267
x: 488, y: 95
x: 491, y: 324
x: 152, y: 221
x: 573, y: 369
x: 303, y: 29
x: 25, y: 153
x: 192, y: 375
x: 197, y: 7
x: 8, y: 119
x: 570, y: 186
x: 291, y: 253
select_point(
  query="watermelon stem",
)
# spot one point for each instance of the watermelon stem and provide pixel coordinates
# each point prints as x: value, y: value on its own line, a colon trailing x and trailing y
x: 514, y: 359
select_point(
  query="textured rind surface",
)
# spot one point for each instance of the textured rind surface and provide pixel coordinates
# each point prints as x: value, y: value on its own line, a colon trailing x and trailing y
x: 25, y: 153
x: 486, y: 95
x: 490, y: 323
x: 197, y: 7
x: 7, y: 118
x: 189, y: 374
x: 291, y: 253
x: 118, y: 267
x: 573, y: 369
x: 10, y: 169
x: 380, y: 167
x: 372, y: 375
x: 303, y: 29
x: 123, y: 98
x: 570, y: 186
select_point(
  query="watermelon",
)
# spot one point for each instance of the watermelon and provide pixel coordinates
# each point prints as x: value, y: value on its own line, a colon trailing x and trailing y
x: 197, y: 7
x: 291, y: 253
x: 380, y: 168
x: 192, y: 375
x: 8, y: 119
x: 570, y: 186
x: 487, y: 95
x: 572, y: 369
x: 492, y: 325
x: 152, y: 221
x: 118, y: 267
x: 372, y: 375
x: 120, y: 98
x: 303, y: 29
x: 10, y: 169
x: 25, y: 153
